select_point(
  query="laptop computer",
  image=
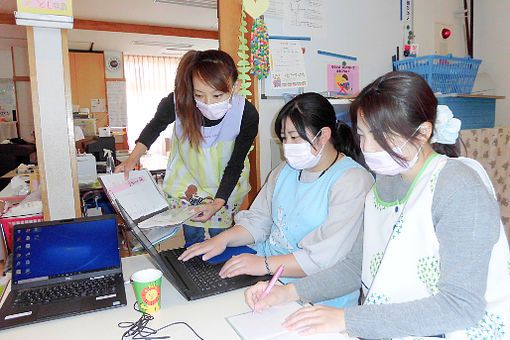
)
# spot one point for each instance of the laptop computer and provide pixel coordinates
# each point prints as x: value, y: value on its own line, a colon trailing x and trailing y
x: 195, y: 278
x: 62, y: 268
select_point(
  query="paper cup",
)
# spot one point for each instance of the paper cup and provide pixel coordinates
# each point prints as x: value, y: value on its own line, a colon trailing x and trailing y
x: 147, y: 285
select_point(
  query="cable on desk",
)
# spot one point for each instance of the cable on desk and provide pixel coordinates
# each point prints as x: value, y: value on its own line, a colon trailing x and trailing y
x: 139, y: 330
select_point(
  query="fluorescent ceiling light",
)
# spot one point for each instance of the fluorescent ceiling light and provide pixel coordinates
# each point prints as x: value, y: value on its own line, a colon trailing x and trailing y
x: 192, y: 3
x: 164, y: 44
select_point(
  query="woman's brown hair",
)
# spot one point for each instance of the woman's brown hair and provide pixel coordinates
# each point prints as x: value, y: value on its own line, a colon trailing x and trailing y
x: 215, y: 68
x: 397, y: 103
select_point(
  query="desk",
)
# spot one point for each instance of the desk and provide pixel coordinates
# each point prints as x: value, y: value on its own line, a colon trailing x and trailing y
x: 8, y: 130
x: 206, y: 316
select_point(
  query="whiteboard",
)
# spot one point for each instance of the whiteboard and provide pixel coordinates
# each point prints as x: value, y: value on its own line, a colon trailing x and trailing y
x: 369, y: 30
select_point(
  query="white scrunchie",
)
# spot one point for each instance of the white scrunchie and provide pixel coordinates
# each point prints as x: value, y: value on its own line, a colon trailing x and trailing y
x: 446, y: 128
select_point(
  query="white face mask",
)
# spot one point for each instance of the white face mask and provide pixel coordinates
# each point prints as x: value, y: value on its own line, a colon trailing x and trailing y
x: 300, y: 156
x: 215, y: 111
x: 382, y: 163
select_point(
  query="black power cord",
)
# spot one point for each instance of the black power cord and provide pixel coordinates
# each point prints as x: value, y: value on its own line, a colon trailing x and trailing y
x: 139, y: 330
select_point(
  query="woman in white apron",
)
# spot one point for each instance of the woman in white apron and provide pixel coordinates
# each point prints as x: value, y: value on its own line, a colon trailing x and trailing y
x: 310, y: 210
x: 434, y: 256
x: 213, y: 132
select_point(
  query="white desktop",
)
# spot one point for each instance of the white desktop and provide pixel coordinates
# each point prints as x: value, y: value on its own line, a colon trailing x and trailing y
x: 206, y: 316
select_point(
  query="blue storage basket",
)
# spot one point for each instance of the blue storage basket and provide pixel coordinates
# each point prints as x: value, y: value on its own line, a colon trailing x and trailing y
x: 445, y: 74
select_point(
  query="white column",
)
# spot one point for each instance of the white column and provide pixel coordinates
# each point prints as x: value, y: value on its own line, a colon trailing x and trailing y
x: 51, y: 98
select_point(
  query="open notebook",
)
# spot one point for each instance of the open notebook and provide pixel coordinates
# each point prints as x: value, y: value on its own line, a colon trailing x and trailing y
x: 267, y: 325
x: 142, y: 199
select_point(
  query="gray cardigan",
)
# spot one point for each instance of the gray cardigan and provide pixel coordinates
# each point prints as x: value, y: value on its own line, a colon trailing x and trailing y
x: 466, y: 219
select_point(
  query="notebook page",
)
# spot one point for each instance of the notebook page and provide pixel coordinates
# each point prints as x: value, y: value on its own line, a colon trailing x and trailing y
x: 267, y: 325
x: 139, y: 195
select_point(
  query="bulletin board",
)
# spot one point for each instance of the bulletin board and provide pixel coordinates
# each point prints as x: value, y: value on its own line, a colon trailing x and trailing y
x: 361, y: 33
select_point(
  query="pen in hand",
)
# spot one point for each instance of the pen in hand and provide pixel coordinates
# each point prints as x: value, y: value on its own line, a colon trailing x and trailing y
x: 271, y: 283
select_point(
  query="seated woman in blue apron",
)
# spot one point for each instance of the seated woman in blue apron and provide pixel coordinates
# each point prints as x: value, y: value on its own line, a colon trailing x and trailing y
x: 213, y: 132
x: 434, y: 255
x: 309, y: 212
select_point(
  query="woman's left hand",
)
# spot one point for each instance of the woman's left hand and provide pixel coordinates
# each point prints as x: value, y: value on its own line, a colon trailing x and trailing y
x: 207, y: 210
x: 249, y: 264
x: 317, y: 319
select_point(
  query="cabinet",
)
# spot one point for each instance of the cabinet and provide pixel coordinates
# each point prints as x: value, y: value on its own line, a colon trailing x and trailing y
x: 88, y: 82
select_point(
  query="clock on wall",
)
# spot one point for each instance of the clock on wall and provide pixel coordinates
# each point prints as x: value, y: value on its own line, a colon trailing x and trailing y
x: 113, y: 63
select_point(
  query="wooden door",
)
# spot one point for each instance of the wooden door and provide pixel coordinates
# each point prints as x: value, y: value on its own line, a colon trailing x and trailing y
x: 88, y: 82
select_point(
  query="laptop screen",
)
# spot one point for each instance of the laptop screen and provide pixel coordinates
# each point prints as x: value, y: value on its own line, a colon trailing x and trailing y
x: 48, y: 250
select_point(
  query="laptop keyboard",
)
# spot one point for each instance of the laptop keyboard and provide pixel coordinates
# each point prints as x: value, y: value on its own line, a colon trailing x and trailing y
x: 66, y: 291
x: 204, y: 274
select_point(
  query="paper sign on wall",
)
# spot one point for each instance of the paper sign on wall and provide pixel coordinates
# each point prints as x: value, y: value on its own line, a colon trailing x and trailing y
x: 7, y: 99
x: 55, y: 7
x: 287, y: 64
x: 343, y: 79
x: 98, y: 105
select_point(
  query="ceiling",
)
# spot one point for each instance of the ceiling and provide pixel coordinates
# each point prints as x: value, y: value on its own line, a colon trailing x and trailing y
x: 146, y: 12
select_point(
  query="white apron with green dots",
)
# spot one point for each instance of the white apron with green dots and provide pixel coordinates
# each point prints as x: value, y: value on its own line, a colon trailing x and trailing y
x: 401, y: 254
x: 193, y: 176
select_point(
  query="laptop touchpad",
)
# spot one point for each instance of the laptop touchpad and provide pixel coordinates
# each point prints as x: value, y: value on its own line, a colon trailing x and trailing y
x: 60, y: 308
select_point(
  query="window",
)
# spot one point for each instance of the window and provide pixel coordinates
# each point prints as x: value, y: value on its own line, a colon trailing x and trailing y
x: 148, y: 80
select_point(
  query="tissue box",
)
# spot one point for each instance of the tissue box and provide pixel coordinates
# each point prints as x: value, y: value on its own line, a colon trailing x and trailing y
x: 86, y: 164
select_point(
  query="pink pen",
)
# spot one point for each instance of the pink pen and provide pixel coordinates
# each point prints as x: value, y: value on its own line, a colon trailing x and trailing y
x: 270, y: 286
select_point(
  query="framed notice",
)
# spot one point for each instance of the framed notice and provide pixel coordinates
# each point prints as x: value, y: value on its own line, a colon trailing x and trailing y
x: 55, y: 7
x: 343, y: 79
x: 7, y: 100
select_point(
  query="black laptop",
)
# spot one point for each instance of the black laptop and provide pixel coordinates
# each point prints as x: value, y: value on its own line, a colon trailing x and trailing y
x: 62, y: 268
x: 195, y: 278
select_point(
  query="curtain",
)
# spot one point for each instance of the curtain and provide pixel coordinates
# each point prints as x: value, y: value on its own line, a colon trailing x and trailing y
x: 148, y: 80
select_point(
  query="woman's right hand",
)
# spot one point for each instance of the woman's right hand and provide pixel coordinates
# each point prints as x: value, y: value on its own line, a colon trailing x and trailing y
x: 279, y: 295
x: 209, y: 248
x: 125, y: 167
x: 133, y: 158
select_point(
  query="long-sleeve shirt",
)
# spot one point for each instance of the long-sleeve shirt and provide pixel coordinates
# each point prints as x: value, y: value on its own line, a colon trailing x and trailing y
x: 165, y: 115
x: 467, y: 221
x: 332, y: 240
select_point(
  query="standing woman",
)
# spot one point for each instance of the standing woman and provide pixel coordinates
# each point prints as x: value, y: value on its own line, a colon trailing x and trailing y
x: 310, y: 210
x: 434, y: 256
x: 213, y: 133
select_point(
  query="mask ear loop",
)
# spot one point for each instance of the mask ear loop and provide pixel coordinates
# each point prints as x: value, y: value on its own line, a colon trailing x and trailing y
x: 316, y: 135
x: 412, y: 135
x: 232, y: 93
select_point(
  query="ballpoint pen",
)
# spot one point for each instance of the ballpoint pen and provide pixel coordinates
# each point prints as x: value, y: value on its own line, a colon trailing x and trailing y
x: 270, y: 286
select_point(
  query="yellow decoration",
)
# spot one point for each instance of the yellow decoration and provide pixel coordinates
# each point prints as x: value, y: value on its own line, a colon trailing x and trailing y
x: 255, y: 8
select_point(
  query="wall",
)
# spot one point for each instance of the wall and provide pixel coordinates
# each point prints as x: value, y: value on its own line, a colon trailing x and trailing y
x: 5, y: 63
x: 429, y: 12
x: 369, y: 30
x: 492, y: 45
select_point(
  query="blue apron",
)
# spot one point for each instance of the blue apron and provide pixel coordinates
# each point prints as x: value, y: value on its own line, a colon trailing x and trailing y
x: 297, y: 209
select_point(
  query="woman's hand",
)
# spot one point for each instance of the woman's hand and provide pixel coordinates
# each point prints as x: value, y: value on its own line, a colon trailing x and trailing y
x: 316, y: 319
x: 249, y: 264
x: 207, y: 210
x: 133, y: 158
x: 279, y: 295
x: 209, y: 248
x: 125, y: 167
